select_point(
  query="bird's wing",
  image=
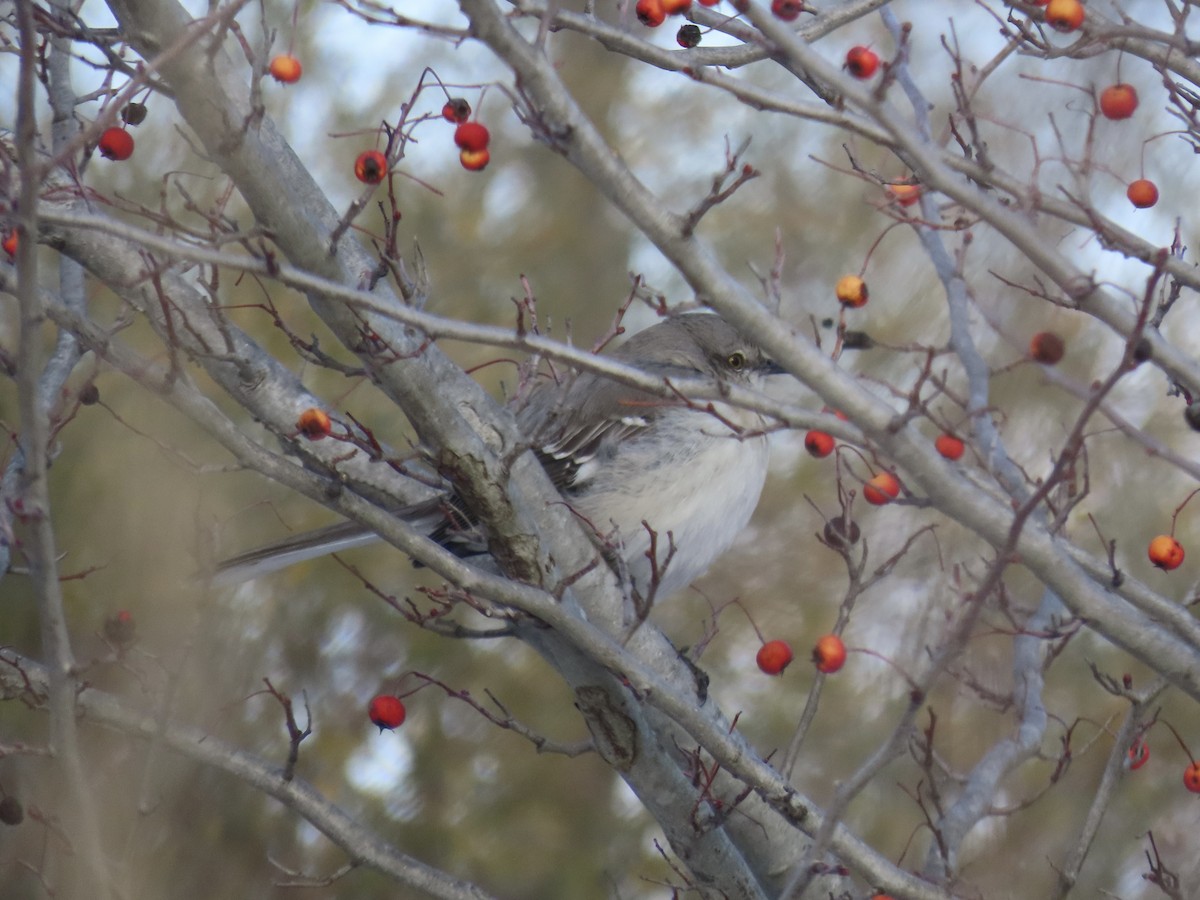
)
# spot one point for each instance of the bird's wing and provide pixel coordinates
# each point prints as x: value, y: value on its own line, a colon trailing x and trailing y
x: 579, y: 441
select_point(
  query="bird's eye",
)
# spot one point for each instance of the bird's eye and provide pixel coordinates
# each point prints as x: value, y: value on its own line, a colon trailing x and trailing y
x: 736, y: 360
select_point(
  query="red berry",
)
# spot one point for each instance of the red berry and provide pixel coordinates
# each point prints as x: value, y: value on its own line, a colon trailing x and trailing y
x: 1142, y: 193
x: 370, y: 167
x: 650, y: 13
x: 116, y: 144
x: 829, y: 654
x: 314, y: 424
x: 10, y: 243
x: 1191, y: 778
x: 1064, y: 15
x: 1165, y: 552
x: 818, y: 443
x: 1047, y: 347
x: 675, y: 7
x: 787, y: 10
x: 386, y: 712
x: 456, y: 110
x: 1118, y: 101
x: 472, y: 136
x: 1139, y: 754
x: 862, y: 62
x: 882, y: 489
x: 773, y: 657
x: 285, y: 69
x: 474, y: 160
x: 949, y: 446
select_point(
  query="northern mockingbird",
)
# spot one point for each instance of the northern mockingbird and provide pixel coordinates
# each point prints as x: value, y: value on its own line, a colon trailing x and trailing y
x: 639, y: 468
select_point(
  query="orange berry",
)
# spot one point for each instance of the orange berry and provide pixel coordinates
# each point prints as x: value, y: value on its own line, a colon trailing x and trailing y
x: 285, y: 69
x: 851, y: 291
x: 882, y: 489
x: 949, y: 446
x: 370, y: 167
x: 474, y: 160
x: 10, y: 243
x: 1118, y: 101
x: 650, y: 13
x: 314, y: 424
x: 386, y: 712
x: 818, y: 443
x: 861, y: 62
x: 1165, y: 552
x: 472, y: 136
x: 1064, y: 15
x: 905, y: 194
x: 1047, y: 347
x: 773, y: 657
x: 116, y: 144
x: 675, y: 7
x: 1142, y: 193
x: 1191, y: 778
x: 829, y: 654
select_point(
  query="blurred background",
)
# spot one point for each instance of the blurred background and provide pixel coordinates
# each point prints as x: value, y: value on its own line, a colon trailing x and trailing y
x: 142, y: 496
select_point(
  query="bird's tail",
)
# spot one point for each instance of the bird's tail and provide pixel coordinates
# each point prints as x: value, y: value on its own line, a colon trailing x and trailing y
x: 438, y: 518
